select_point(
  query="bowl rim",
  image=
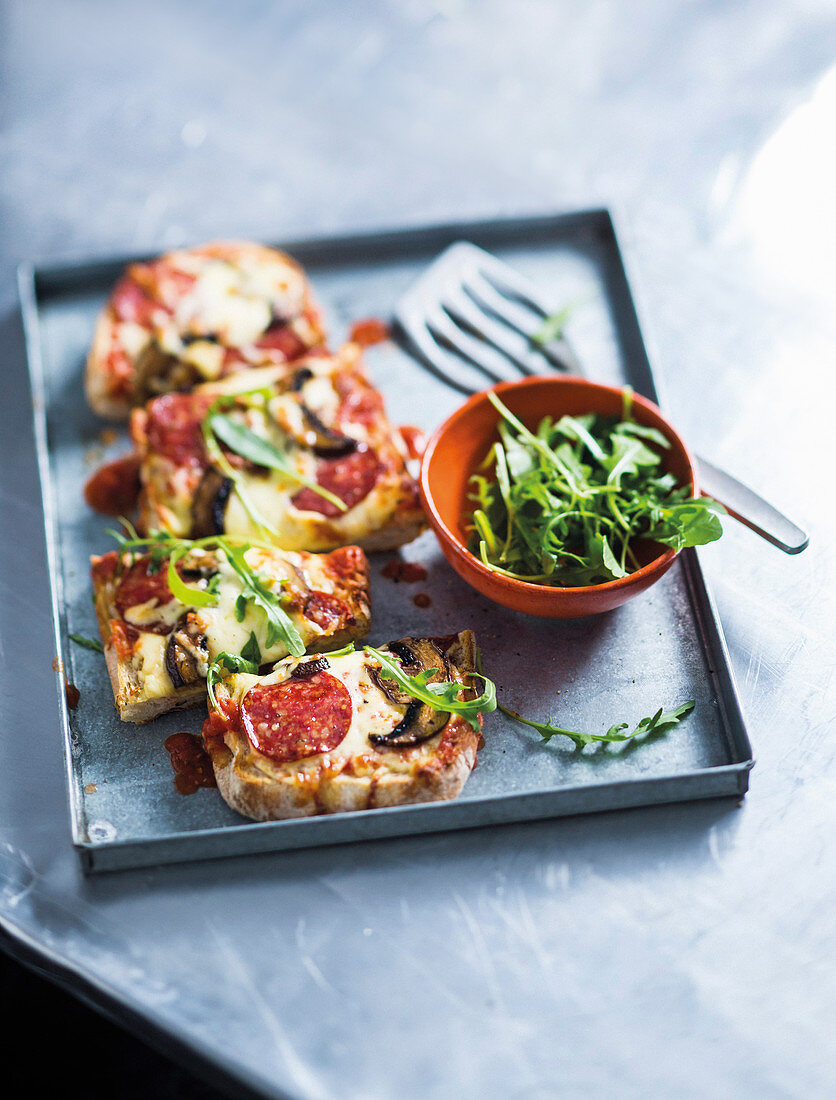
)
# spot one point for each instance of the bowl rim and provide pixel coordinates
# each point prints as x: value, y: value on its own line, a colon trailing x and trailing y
x: 661, y: 562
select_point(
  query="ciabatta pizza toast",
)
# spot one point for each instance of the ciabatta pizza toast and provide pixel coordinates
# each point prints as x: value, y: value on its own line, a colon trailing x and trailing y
x: 335, y: 733
x: 197, y: 314
x: 166, y: 610
x: 305, y: 458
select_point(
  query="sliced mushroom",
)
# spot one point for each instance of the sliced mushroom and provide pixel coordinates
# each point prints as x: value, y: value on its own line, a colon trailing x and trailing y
x: 196, y: 337
x: 186, y: 653
x: 421, y: 721
x: 307, y: 669
x: 327, y: 442
x: 303, y: 375
x: 158, y: 372
x: 209, y: 505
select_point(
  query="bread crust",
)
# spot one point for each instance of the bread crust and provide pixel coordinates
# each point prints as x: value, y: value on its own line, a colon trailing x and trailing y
x: 264, y: 791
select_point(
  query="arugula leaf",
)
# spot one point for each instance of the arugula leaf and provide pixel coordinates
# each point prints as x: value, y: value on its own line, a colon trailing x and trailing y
x: 87, y: 643
x: 254, y: 590
x: 657, y: 723
x: 245, y: 442
x: 440, y: 696
x: 220, y: 460
x: 344, y: 652
x: 185, y: 593
x: 554, y: 324
x: 228, y: 662
x: 252, y: 650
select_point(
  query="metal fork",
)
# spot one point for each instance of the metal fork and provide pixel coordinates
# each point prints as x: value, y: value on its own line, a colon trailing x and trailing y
x: 473, y: 322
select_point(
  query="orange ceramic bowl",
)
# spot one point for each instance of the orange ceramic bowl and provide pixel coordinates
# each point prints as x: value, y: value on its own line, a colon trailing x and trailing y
x: 460, y: 445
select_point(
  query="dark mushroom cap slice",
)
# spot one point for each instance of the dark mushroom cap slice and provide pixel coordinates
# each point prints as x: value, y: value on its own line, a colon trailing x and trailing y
x: 327, y: 442
x: 307, y: 669
x: 421, y: 721
x: 209, y: 504
x: 186, y: 652
x: 157, y: 372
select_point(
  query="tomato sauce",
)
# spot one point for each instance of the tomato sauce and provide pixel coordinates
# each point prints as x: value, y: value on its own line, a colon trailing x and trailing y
x: 114, y: 488
x: 190, y: 761
x: 407, y: 571
x: 369, y: 332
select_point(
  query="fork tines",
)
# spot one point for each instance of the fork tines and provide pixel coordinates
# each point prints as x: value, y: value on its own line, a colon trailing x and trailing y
x: 474, y: 321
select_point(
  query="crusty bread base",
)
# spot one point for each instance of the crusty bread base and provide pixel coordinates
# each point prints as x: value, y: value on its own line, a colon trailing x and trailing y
x: 126, y: 686
x: 263, y: 798
x: 97, y: 381
x: 396, y: 534
x: 270, y: 797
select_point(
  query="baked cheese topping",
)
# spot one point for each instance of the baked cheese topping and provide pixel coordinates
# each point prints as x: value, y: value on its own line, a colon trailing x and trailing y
x: 235, y: 301
x: 218, y: 623
x: 372, y: 713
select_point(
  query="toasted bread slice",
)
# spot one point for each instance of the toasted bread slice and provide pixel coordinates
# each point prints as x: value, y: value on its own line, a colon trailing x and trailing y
x: 197, y: 314
x: 332, y: 735
x: 342, y: 475
x: 158, y: 649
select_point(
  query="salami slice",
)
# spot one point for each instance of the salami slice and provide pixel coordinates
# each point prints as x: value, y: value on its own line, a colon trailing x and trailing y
x: 282, y: 340
x: 138, y: 586
x: 174, y: 428
x: 297, y: 718
x: 325, y: 610
x: 351, y: 478
x: 131, y: 302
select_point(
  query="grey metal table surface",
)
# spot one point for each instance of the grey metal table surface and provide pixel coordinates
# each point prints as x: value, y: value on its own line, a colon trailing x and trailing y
x: 681, y: 950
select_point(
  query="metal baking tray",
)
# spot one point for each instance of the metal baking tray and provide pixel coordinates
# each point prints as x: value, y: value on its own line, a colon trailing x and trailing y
x: 660, y: 649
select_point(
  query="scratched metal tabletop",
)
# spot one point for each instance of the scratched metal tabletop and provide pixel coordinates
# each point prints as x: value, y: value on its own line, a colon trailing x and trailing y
x: 676, y: 951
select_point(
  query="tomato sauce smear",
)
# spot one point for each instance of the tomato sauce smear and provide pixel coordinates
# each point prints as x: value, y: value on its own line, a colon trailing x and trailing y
x: 114, y: 488
x: 369, y: 332
x: 190, y: 761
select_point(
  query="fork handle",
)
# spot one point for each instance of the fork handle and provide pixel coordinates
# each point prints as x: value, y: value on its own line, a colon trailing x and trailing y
x: 746, y: 506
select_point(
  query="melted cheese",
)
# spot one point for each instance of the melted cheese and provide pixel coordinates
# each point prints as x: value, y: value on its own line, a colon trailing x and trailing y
x: 206, y: 356
x: 132, y: 337
x: 236, y: 300
x: 372, y: 712
x: 149, y: 662
x: 224, y: 634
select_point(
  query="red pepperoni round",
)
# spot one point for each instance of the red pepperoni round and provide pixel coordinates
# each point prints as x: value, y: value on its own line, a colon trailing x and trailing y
x: 351, y: 478
x: 137, y: 586
x: 282, y: 339
x: 173, y: 428
x: 348, y: 561
x: 359, y: 402
x: 297, y: 718
x: 325, y: 610
x: 131, y: 302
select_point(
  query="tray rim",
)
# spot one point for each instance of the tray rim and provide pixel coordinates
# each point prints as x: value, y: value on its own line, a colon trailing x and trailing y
x: 38, y: 283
